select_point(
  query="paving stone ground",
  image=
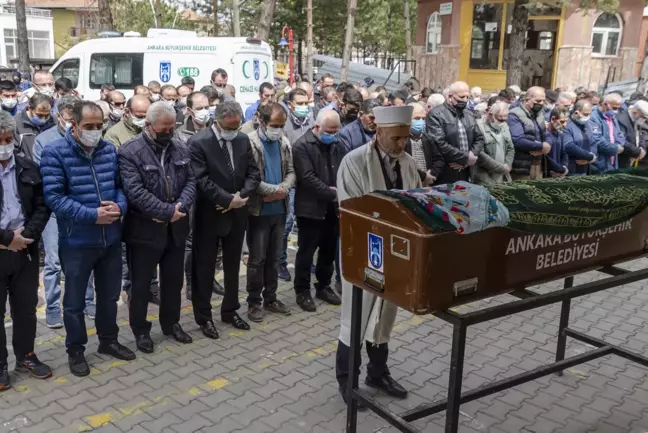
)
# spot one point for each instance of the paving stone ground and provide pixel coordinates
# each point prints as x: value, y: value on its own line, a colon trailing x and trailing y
x: 279, y: 377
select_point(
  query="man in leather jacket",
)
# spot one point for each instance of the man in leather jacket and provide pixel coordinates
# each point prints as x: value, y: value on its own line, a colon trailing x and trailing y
x: 454, y: 132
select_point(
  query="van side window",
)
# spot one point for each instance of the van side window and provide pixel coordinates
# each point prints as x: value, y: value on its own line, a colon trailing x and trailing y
x: 68, y: 69
x: 120, y: 70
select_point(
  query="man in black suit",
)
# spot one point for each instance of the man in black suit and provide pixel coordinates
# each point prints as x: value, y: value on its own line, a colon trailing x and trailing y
x: 226, y: 175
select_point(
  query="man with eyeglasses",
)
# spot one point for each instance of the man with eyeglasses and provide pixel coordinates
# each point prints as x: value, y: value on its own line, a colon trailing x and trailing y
x: 226, y: 176
x: 117, y: 101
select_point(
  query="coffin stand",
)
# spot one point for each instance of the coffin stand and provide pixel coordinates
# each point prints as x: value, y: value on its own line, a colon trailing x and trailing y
x: 388, y: 252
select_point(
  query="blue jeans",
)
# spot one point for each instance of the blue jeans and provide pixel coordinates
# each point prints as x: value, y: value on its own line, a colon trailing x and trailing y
x: 78, y: 264
x: 52, y: 271
x: 290, y: 220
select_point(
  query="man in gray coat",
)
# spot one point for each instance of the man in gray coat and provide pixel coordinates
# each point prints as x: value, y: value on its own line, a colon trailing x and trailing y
x: 495, y: 161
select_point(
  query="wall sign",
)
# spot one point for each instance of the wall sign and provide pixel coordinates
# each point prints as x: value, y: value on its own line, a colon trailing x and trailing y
x: 445, y: 8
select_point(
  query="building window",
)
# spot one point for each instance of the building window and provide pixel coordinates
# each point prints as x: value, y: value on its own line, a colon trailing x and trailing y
x: 124, y: 71
x: 433, y: 33
x: 90, y: 20
x: 486, y: 35
x: 606, y: 35
x: 39, y: 44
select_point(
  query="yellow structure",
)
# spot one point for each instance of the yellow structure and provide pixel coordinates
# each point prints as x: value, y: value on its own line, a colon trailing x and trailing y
x: 62, y: 21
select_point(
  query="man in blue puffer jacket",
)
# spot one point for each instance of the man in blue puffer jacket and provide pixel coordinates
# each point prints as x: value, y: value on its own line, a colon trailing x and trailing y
x: 81, y: 185
x: 579, y: 141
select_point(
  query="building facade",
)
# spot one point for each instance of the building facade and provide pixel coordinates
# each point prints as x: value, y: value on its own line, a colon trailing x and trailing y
x: 39, y: 33
x: 566, y: 47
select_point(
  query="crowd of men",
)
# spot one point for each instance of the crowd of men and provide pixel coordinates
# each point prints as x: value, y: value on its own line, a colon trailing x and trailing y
x: 152, y: 193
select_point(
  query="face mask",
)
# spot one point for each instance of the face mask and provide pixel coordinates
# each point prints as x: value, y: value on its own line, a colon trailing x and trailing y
x: 327, y: 138
x: 460, y: 105
x: 301, y: 111
x: 117, y: 113
x: 497, y: 125
x: 640, y: 121
x: 6, y: 151
x: 90, y: 138
x: 9, y: 103
x: 38, y: 121
x: 45, y: 90
x: 273, y: 134
x: 582, y: 120
x: 537, y: 108
x: 549, y: 107
x: 163, y: 138
x: 476, y: 99
x: 228, y: 135
x: 351, y: 116
x: 201, y: 117
x: 183, y: 101
x: 138, y: 122
x: 212, y: 112
x: 418, y: 125
x: 155, y: 97
x: 171, y: 102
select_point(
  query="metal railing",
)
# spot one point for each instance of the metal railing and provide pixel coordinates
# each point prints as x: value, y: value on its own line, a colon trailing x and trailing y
x: 32, y: 12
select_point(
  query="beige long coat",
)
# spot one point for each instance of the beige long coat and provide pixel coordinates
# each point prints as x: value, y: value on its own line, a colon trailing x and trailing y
x: 360, y: 173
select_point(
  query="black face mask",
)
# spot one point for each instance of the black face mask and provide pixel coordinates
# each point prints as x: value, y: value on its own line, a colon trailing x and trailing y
x: 350, y: 116
x: 163, y: 138
x: 537, y: 108
x: 460, y: 105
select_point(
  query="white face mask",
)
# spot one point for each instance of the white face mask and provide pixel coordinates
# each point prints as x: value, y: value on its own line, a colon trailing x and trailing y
x: 6, y: 151
x: 45, y: 90
x: 201, y: 117
x: 90, y: 138
x: 137, y: 121
x: 273, y: 134
x: 228, y: 135
x: 155, y: 97
x: 212, y: 111
x: 171, y: 102
x: 9, y: 103
x: 117, y: 113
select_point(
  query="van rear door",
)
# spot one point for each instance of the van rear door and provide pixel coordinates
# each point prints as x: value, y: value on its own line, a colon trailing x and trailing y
x: 252, y: 67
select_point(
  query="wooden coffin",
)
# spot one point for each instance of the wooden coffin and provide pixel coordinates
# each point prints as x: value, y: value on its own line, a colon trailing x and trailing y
x: 387, y: 251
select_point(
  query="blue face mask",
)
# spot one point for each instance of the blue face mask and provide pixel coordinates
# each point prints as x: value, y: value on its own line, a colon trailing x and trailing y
x: 38, y: 121
x: 327, y: 138
x: 418, y: 125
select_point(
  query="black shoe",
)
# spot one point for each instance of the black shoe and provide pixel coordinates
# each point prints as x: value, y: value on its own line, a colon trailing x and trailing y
x: 284, y: 273
x: 328, y: 295
x: 305, y: 301
x: 5, y: 379
x: 188, y: 292
x: 235, y: 320
x: 277, y: 307
x: 387, y: 384
x: 209, y: 330
x: 343, y: 393
x: 31, y: 364
x: 154, y: 298
x: 144, y: 343
x: 116, y: 350
x: 218, y: 288
x: 78, y: 365
x: 255, y: 313
x: 179, y: 335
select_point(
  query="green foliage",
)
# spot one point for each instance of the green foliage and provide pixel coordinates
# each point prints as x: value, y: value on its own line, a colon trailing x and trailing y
x: 137, y: 15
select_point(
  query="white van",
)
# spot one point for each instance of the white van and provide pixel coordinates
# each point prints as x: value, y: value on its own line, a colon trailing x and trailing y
x: 126, y: 62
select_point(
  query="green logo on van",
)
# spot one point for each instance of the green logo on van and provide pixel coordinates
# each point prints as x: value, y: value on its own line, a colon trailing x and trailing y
x: 188, y: 72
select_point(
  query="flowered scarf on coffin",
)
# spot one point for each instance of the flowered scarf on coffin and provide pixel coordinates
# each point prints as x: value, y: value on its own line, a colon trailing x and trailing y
x: 462, y: 206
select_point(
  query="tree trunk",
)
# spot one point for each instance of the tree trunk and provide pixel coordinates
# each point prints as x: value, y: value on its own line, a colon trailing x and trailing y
x: 300, y: 56
x: 158, y: 14
x: 105, y: 16
x: 215, y: 11
x: 22, y: 41
x: 236, y: 20
x: 408, y: 37
x: 517, y: 42
x: 388, y: 43
x: 348, y: 39
x: 267, y: 14
x: 309, y: 40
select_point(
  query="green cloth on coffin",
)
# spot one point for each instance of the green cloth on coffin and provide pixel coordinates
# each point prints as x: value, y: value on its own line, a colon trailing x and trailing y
x: 573, y: 204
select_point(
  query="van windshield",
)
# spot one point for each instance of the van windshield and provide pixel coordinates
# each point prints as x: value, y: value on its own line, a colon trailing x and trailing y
x: 124, y: 71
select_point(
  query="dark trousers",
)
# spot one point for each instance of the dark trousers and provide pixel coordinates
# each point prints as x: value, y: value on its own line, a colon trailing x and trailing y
x: 376, y: 368
x: 126, y: 274
x: 19, y: 281
x: 205, y: 251
x: 143, y: 262
x: 77, y: 264
x: 265, y: 245
x: 314, y: 234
